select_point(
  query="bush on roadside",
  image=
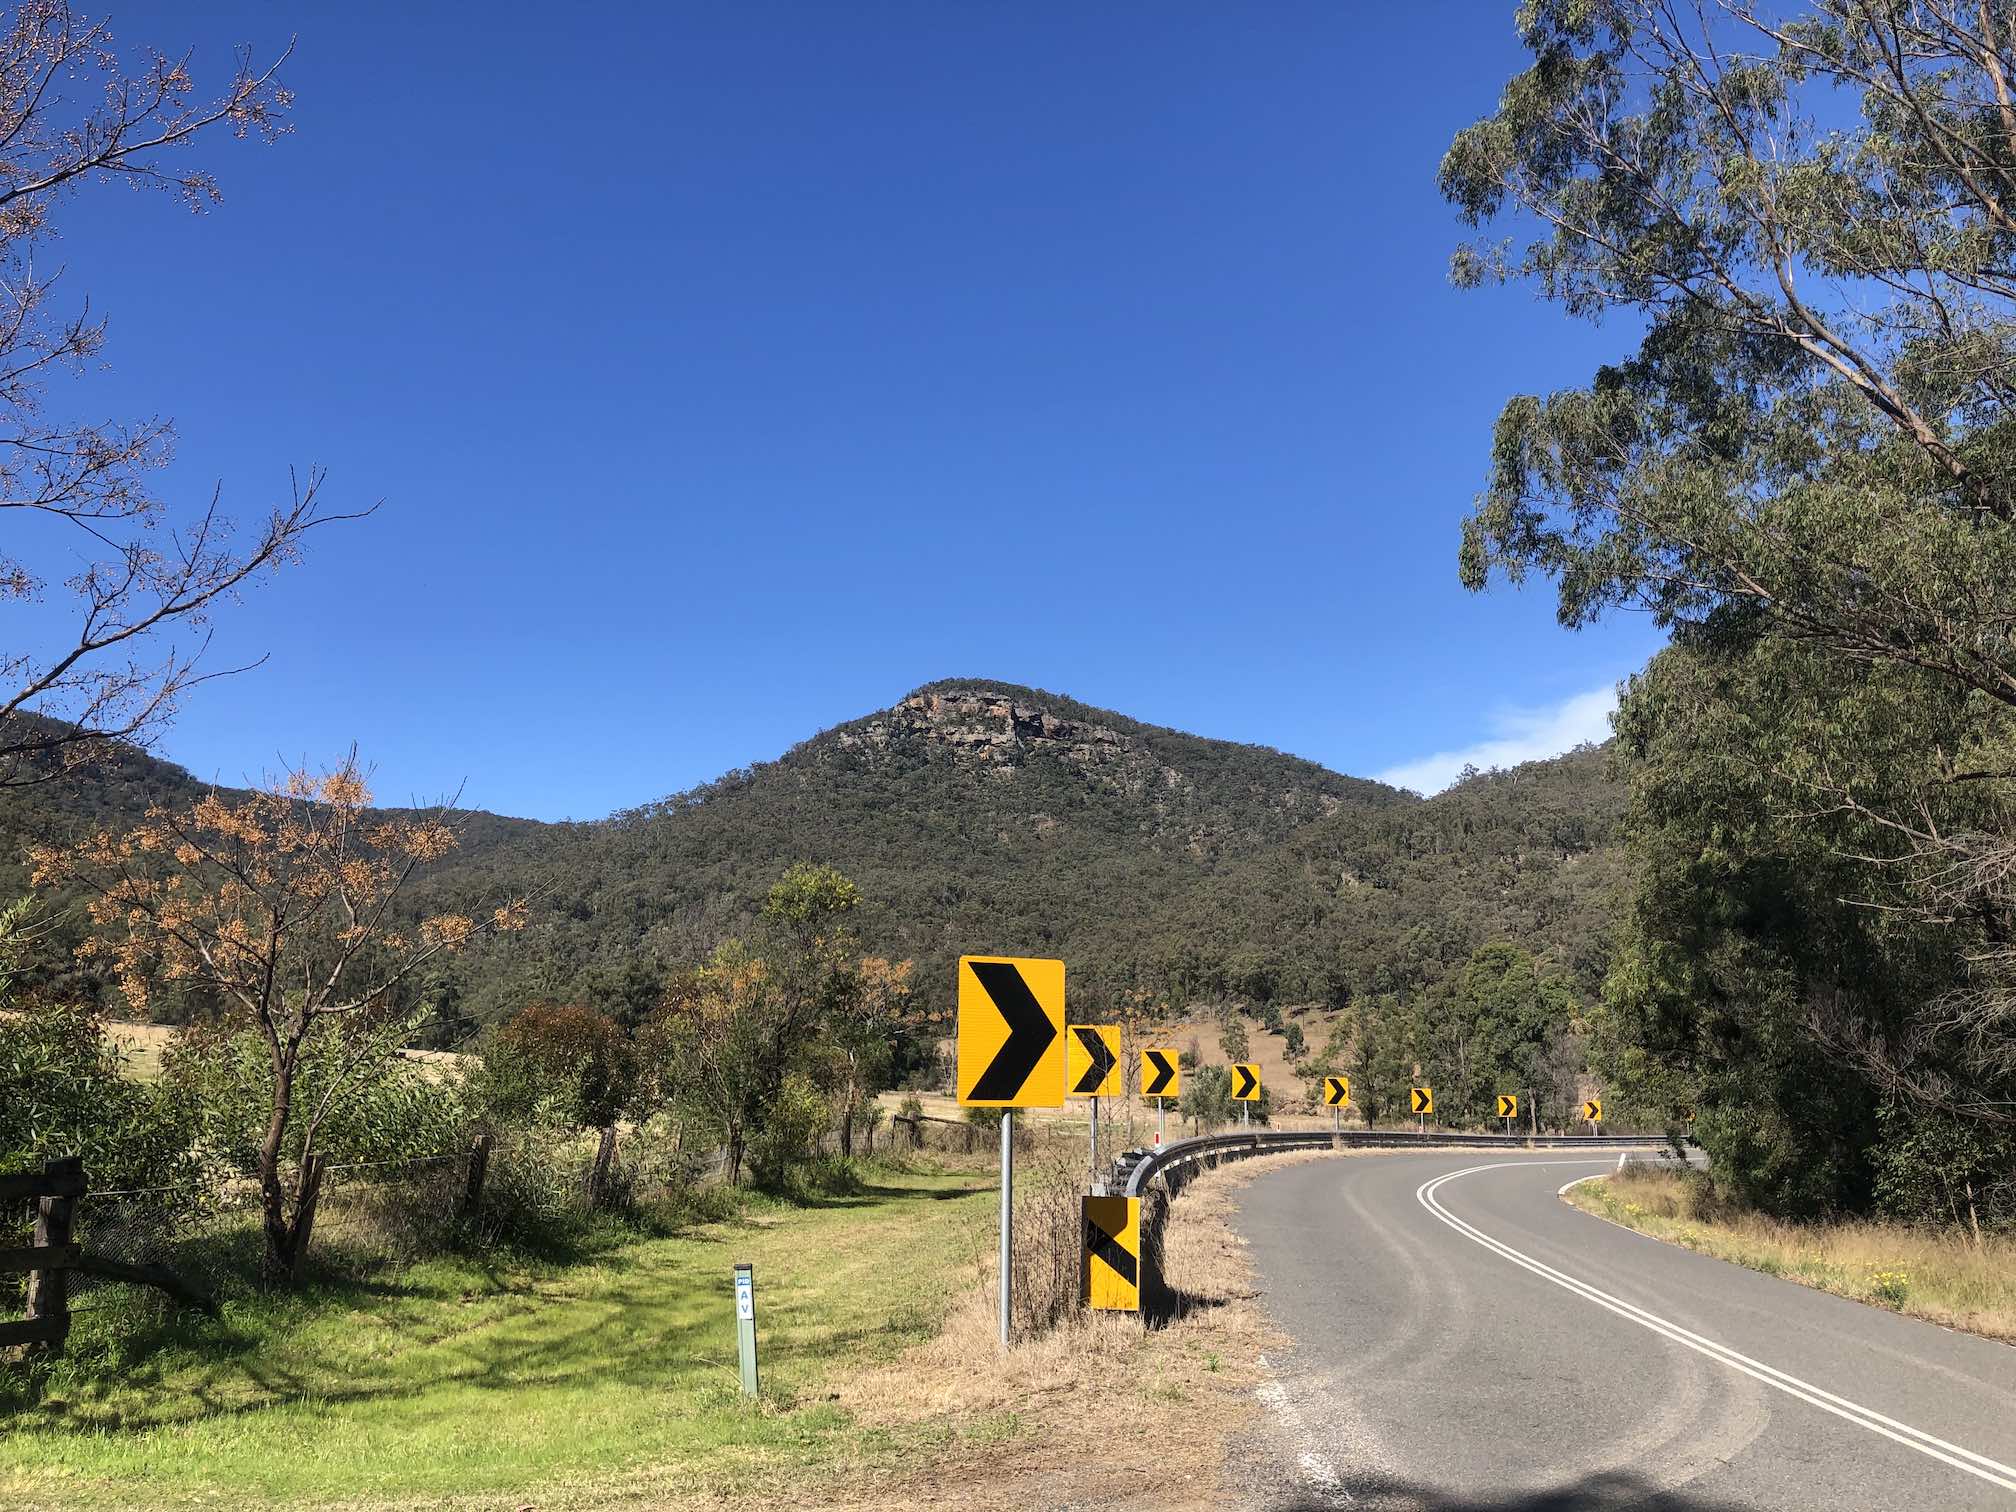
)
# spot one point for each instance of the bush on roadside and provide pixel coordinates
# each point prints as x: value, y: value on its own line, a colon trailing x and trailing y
x: 63, y: 1091
x: 1208, y: 1103
x: 1048, y: 1238
x: 790, y: 1132
x: 356, y: 1097
x: 560, y: 1063
x: 532, y: 1196
x: 1933, y: 1168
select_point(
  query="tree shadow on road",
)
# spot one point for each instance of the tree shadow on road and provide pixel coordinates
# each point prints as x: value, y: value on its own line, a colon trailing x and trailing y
x: 1610, y: 1491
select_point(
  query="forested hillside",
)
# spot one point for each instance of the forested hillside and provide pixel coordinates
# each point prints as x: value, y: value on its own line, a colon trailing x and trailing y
x: 979, y: 816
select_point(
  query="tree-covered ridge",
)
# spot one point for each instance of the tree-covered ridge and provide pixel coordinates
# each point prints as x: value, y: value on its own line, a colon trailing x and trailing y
x: 1396, y: 900
x: 1184, y: 868
x: 977, y: 816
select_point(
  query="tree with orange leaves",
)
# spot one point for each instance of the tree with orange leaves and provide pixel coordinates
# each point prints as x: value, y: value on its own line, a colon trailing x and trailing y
x: 279, y: 904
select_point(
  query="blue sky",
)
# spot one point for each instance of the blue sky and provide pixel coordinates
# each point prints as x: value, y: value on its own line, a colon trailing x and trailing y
x: 727, y: 371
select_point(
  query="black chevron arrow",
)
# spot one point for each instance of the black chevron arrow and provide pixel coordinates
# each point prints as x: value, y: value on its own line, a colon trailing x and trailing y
x: 1165, y: 1071
x: 1103, y: 1060
x: 1029, y: 1032
x: 1247, y: 1081
x: 1103, y: 1246
x: 1336, y: 1090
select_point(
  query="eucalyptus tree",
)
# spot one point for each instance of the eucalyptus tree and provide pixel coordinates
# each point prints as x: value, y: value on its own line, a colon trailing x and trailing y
x: 1806, y: 217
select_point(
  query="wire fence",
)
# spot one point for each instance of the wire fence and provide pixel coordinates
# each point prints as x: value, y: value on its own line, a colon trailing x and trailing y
x: 204, y: 1239
x: 166, y: 1246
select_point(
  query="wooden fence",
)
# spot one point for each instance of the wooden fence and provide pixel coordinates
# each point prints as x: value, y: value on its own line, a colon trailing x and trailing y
x: 49, y: 1260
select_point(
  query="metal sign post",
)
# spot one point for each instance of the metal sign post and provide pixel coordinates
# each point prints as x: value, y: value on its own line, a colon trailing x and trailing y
x: 745, y: 1323
x: 1158, y: 1123
x: 1007, y: 1213
x: 1011, y: 1055
x: 1097, y: 1184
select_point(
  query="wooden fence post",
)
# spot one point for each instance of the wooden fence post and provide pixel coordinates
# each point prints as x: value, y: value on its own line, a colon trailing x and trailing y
x: 479, y: 1167
x: 55, y: 1217
x: 304, y: 1214
x: 598, y: 1173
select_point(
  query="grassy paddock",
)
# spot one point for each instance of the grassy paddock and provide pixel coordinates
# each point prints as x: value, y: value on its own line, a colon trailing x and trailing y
x: 482, y: 1380
x: 1940, y: 1275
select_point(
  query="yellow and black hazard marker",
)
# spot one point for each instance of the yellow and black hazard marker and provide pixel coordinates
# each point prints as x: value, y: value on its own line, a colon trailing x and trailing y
x: 1336, y: 1091
x: 1508, y: 1105
x: 1245, y: 1081
x: 1421, y: 1100
x: 1011, y: 1032
x: 1092, y: 1056
x: 1592, y: 1110
x: 1161, y: 1074
x: 1110, y: 1277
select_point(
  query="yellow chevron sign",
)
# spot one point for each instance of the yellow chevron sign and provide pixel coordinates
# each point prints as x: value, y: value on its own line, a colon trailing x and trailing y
x: 1336, y: 1091
x: 1508, y: 1105
x: 1161, y: 1073
x: 1110, y: 1272
x: 1592, y: 1110
x: 1011, y: 1032
x: 1092, y: 1060
x: 1421, y: 1099
x: 1245, y: 1081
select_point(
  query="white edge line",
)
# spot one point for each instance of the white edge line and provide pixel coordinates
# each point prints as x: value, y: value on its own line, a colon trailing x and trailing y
x: 1982, y: 1467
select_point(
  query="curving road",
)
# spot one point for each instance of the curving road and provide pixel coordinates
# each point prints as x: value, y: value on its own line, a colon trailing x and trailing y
x: 1463, y: 1339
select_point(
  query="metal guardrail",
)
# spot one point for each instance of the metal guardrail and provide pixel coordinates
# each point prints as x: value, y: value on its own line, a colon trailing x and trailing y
x: 1175, y: 1156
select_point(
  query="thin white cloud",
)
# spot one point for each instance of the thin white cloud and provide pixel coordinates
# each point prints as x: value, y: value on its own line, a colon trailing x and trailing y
x: 1517, y: 735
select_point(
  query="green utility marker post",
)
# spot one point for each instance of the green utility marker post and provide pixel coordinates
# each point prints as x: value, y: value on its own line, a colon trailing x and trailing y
x: 745, y: 1323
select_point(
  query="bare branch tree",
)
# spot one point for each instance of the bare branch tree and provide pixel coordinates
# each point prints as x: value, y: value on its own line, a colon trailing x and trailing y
x: 84, y: 520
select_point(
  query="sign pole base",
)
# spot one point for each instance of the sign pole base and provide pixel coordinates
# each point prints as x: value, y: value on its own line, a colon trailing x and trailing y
x: 1095, y: 1147
x: 1007, y: 1214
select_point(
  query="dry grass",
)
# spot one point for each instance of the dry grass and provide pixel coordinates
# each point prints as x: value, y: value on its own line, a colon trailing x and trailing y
x: 1942, y: 1276
x: 1045, y: 1423
x: 142, y: 1045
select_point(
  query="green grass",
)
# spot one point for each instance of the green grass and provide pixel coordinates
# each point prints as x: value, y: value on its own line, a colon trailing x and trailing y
x: 487, y: 1382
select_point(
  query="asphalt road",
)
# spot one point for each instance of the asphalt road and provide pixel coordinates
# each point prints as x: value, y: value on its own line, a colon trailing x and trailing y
x: 1463, y: 1339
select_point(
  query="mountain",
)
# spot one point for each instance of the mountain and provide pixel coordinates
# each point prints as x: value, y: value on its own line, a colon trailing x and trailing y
x: 977, y: 817
x: 982, y: 817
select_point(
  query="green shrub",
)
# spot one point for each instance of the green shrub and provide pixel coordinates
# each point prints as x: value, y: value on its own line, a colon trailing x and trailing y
x: 817, y: 1176
x: 1207, y: 1099
x: 791, y: 1126
x: 561, y: 1061
x: 62, y: 1092
x: 532, y: 1197
x: 363, y: 1100
x: 1934, y: 1168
